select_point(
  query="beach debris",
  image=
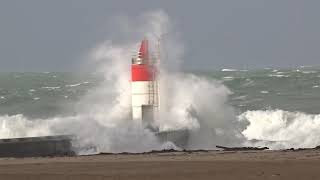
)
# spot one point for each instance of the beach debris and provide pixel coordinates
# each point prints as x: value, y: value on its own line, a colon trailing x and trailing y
x: 242, y: 148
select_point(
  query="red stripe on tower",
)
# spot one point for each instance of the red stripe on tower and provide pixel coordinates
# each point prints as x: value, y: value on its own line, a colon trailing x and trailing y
x: 141, y: 68
x: 142, y: 72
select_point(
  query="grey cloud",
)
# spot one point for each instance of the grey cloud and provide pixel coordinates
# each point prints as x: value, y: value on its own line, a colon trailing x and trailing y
x: 45, y: 35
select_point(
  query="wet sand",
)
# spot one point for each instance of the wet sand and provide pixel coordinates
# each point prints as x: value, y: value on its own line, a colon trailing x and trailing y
x: 222, y: 165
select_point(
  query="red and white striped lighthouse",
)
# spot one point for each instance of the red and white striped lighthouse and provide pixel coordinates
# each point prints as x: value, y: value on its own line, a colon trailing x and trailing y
x: 144, y: 86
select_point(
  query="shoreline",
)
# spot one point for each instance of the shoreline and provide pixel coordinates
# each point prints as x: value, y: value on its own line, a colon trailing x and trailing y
x: 267, y: 164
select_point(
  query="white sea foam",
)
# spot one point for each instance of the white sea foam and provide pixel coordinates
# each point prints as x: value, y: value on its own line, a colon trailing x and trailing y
x: 240, y: 98
x: 306, y: 66
x: 228, y: 78
x: 51, y: 88
x: 308, y: 72
x: 242, y: 105
x: 280, y: 129
x: 278, y: 75
x: 229, y: 70
x: 18, y: 126
x: 264, y: 92
x: 73, y: 85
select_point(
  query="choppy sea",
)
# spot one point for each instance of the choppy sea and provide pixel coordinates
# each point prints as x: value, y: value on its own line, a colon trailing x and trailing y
x: 285, y: 89
x: 276, y: 104
x: 50, y: 94
x: 43, y: 95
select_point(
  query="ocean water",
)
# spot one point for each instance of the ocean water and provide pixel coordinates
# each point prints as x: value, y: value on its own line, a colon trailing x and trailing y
x: 43, y: 95
x: 278, y: 107
x: 50, y: 94
x: 285, y: 89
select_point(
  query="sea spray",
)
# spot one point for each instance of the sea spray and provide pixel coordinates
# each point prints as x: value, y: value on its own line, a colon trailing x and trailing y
x: 280, y: 129
x: 200, y: 105
x: 186, y: 101
x: 19, y: 126
x: 103, y: 119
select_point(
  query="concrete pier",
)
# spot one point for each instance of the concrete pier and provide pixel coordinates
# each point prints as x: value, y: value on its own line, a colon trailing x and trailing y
x: 36, y: 146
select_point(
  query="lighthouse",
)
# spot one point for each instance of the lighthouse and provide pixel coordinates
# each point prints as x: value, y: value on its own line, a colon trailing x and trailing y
x: 145, y: 95
x: 144, y: 86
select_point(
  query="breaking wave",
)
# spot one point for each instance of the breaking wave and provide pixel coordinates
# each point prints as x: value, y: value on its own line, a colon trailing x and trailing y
x: 280, y: 129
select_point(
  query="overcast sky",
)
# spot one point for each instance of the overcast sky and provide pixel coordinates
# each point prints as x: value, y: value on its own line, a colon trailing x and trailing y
x: 54, y: 35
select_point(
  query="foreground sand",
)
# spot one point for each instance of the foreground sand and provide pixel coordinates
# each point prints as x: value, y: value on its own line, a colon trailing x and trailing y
x: 174, y: 165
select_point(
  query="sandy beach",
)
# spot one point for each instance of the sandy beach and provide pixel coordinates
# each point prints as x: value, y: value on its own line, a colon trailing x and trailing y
x: 245, y: 165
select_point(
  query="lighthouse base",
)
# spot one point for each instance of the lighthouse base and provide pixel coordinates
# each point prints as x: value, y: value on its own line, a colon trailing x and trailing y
x: 179, y: 137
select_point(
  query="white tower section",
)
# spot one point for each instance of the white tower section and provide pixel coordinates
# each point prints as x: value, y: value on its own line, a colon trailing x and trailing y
x: 144, y: 87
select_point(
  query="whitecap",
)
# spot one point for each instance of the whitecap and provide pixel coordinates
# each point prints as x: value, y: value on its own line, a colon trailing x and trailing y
x: 51, y: 88
x: 280, y: 129
x: 309, y: 72
x: 229, y: 70
x: 240, y: 97
x: 73, y: 85
x: 305, y: 66
x: 278, y: 75
x: 169, y: 145
x: 242, y: 105
x: 228, y: 77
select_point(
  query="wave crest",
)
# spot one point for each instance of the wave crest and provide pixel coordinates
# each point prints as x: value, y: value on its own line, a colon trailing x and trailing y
x: 281, y: 129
